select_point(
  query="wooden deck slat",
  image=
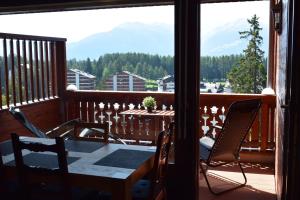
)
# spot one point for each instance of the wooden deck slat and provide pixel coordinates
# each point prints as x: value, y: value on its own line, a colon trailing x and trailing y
x: 77, y: 109
x: 265, y: 126
x: 47, y: 69
x: 53, y: 68
x: 42, y: 69
x: 272, y: 129
x: 13, y: 71
x: 25, y: 71
x: 20, y: 86
x: 6, y: 72
x: 32, y: 87
x: 37, y: 73
x: 255, y: 129
x: 91, y: 111
x: 84, y: 110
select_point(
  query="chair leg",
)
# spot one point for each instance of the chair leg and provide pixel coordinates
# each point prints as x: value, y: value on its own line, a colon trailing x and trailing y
x: 223, y: 191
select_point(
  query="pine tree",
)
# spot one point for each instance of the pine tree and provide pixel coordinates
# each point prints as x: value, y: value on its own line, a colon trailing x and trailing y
x: 250, y: 75
x: 89, y: 68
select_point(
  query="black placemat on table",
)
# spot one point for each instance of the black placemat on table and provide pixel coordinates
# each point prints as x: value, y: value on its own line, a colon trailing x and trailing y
x: 82, y: 146
x: 6, y: 148
x: 42, y: 160
x: 125, y: 158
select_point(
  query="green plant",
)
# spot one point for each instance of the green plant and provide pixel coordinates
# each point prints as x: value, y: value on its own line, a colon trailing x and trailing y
x: 149, y: 102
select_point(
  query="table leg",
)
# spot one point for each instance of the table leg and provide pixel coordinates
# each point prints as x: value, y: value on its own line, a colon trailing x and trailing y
x: 121, y: 192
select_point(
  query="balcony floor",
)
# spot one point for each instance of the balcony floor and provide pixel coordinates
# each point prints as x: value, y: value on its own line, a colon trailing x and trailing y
x: 260, y: 183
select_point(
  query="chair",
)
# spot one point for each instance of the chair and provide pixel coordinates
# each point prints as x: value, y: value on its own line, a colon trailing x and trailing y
x: 51, y: 183
x: 24, y: 171
x: 226, y: 147
x: 154, y: 187
x: 8, y: 188
x: 73, y: 129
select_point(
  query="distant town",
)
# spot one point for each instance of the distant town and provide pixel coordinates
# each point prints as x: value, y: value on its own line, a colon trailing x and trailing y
x: 126, y: 81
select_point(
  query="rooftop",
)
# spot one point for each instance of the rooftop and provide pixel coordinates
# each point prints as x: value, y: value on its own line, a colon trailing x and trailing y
x: 77, y: 71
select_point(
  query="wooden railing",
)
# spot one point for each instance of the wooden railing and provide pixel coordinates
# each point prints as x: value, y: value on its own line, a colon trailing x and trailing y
x: 29, y: 68
x: 96, y: 106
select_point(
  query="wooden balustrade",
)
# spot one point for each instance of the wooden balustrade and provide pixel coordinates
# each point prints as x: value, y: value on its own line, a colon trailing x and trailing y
x: 28, y: 68
x: 96, y: 106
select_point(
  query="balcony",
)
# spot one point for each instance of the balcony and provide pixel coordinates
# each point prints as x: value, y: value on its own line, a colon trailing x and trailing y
x: 40, y: 90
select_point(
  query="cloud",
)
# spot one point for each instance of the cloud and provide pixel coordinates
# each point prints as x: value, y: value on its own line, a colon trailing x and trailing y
x: 223, y: 47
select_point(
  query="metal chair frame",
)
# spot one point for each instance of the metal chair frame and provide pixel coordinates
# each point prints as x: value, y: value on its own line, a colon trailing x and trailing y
x: 254, y: 105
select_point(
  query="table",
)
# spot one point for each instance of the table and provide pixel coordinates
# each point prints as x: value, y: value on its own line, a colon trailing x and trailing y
x: 108, y: 167
x: 156, y: 115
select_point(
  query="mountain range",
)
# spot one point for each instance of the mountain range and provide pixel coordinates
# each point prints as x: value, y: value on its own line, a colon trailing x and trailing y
x: 159, y: 39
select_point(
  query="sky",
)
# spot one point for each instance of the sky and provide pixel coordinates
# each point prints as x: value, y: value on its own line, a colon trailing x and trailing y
x: 76, y: 25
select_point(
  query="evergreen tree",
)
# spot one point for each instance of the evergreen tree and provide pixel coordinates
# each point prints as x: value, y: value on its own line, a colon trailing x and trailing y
x: 89, y: 68
x: 250, y: 75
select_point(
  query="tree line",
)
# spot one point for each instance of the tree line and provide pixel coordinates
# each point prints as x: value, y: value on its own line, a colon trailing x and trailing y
x: 153, y: 67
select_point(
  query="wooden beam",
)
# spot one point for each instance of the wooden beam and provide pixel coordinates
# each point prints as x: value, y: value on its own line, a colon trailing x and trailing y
x: 271, y: 73
x: 19, y: 6
x: 187, y: 56
x: 16, y: 6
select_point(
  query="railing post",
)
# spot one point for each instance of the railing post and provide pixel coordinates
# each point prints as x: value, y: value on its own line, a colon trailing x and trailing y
x: 61, y: 74
x: 264, y: 126
x: 70, y: 105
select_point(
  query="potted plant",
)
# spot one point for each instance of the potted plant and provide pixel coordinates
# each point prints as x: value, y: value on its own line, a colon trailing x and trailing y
x: 149, y: 103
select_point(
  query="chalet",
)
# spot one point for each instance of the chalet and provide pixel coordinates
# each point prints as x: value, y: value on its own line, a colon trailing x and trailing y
x: 50, y: 104
x: 166, y: 84
x: 81, y: 79
x: 125, y: 81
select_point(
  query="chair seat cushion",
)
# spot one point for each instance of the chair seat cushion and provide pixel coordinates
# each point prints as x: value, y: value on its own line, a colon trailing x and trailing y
x: 141, y: 190
x: 206, y: 144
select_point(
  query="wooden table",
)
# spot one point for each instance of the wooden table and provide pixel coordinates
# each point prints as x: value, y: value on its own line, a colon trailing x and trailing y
x: 156, y: 115
x: 108, y: 167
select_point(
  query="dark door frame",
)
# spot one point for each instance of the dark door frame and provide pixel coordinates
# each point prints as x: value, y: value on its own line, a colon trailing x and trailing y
x: 291, y: 163
x: 187, y: 66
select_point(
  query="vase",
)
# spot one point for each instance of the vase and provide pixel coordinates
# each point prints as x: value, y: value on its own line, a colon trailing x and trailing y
x: 149, y: 109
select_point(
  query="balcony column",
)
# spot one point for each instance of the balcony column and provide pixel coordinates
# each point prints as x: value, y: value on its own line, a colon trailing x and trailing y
x: 187, y: 54
x: 61, y: 75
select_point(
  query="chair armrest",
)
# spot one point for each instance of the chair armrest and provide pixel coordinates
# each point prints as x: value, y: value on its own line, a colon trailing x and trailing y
x: 93, y: 127
x: 116, y: 138
x: 110, y: 135
x: 64, y: 130
x: 101, y: 129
